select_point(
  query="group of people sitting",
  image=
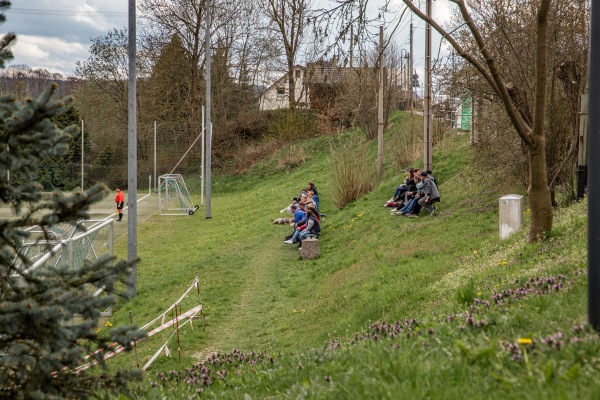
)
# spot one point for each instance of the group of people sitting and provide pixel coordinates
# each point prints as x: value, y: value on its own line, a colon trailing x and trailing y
x: 305, y: 219
x: 419, y: 190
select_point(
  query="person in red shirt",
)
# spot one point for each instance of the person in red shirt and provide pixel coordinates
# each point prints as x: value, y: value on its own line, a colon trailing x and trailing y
x: 120, y: 200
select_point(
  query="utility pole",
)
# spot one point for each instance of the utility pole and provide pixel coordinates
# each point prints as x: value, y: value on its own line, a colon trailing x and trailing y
x: 427, y: 148
x: 401, y: 72
x: 410, y: 68
x: 351, y: 44
x: 594, y: 172
x: 582, y: 156
x: 155, y: 177
x: 132, y: 154
x: 202, y: 144
x: 208, y: 122
x: 380, y: 108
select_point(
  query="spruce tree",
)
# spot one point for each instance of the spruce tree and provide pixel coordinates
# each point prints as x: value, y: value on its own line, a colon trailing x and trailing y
x: 41, y: 344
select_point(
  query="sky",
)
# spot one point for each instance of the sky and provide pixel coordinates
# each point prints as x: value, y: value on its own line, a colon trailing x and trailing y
x: 55, y: 34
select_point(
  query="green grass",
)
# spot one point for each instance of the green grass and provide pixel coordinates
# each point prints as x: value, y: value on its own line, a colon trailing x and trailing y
x: 259, y: 296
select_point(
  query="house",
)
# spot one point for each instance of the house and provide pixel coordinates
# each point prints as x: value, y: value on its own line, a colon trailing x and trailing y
x: 277, y: 95
x: 319, y: 84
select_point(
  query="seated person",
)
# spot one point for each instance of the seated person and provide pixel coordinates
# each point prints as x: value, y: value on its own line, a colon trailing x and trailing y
x: 412, y: 206
x: 430, y: 193
x: 312, y: 198
x: 295, y: 201
x: 299, y: 220
x: 311, y: 227
x: 311, y: 186
x: 404, y: 186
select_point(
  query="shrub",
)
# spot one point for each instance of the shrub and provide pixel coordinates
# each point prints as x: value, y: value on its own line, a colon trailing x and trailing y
x: 352, y: 173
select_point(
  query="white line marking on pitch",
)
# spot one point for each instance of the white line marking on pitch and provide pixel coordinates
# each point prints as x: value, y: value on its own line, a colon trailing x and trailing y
x: 112, y: 215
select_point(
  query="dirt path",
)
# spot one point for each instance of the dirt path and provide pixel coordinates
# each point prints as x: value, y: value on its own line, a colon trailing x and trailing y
x: 235, y: 329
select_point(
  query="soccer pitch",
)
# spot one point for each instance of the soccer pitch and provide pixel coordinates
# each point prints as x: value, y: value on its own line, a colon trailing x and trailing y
x: 147, y: 205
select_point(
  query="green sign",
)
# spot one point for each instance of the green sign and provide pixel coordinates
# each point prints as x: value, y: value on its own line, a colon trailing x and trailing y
x: 465, y: 113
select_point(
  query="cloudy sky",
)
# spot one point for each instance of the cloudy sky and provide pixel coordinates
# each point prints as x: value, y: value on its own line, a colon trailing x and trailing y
x: 55, y: 34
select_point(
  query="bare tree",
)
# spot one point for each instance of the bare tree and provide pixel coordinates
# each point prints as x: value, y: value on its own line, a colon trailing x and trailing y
x: 290, y: 20
x: 531, y: 132
x: 185, y: 19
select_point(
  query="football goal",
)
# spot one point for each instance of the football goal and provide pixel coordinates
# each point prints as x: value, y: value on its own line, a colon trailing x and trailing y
x: 173, y: 196
x: 66, y: 247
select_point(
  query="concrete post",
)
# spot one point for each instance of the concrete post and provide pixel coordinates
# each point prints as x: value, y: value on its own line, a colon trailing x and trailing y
x: 511, y: 215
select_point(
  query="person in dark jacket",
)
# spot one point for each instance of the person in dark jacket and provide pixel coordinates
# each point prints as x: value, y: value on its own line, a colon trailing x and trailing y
x: 400, y: 190
x: 430, y: 192
x: 312, y: 227
x: 311, y: 186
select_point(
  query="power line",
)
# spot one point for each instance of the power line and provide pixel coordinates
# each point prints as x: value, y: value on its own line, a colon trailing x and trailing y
x: 39, y: 11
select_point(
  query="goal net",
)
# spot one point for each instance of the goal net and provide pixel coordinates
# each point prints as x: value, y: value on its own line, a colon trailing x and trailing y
x: 173, y: 196
x: 65, y: 247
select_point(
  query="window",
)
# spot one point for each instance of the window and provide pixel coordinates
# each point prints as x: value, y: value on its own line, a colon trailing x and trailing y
x: 298, y: 72
x: 280, y: 92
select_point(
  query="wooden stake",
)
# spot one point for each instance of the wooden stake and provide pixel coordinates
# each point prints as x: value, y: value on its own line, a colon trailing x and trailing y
x: 177, y: 313
x: 200, y: 302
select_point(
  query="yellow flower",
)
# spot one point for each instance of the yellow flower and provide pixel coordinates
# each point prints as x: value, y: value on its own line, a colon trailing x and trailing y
x: 524, y: 341
x: 474, y: 252
x: 303, y: 310
x: 503, y: 262
x: 294, y: 311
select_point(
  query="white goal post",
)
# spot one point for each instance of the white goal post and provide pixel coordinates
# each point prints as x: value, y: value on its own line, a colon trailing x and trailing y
x: 173, y: 196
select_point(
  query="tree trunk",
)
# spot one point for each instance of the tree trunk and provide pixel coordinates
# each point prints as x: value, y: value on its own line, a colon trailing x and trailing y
x: 538, y: 191
x: 291, y: 85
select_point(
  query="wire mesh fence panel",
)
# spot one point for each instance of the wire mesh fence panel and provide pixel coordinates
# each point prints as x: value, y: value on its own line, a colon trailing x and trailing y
x: 65, y: 246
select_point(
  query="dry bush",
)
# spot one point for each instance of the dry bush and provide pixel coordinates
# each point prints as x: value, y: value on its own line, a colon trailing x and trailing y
x: 353, y: 174
x: 245, y: 155
x: 290, y: 156
x: 404, y: 141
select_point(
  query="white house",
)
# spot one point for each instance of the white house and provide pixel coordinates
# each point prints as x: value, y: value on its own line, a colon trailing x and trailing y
x: 277, y: 95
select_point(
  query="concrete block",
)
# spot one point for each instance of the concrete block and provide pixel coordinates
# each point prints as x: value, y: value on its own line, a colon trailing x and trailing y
x: 511, y: 214
x: 310, y: 248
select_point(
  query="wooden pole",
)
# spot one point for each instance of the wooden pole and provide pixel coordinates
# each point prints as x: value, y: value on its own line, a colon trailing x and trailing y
x: 137, y: 360
x: 177, y: 313
x: 200, y: 301
x: 380, y: 108
x: 427, y: 142
x: 410, y: 69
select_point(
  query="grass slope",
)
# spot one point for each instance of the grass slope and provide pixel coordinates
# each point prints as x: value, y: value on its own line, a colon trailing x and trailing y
x: 321, y: 319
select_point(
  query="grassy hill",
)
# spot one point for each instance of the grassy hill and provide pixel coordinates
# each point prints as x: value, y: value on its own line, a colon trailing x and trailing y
x: 432, y: 307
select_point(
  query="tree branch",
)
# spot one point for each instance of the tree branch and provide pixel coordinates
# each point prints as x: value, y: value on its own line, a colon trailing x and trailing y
x: 491, y: 74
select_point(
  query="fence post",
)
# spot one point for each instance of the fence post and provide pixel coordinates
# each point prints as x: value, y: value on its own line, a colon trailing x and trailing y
x: 71, y: 255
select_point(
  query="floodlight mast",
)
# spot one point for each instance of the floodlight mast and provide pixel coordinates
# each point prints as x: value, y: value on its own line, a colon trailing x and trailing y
x: 594, y: 171
x: 132, y: 154
x: 208, y: 122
